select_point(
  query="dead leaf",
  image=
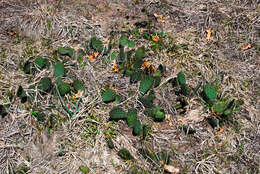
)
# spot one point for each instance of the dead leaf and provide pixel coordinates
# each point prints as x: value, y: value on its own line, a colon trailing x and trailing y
x: 209, y: 36
x: 94, y: 20
x: 160, y: 18
x: 155, y: 15
x: 76, y: 48
x: 171, y: 169
x: 169, y: 118
x: 106, y: 41
x: 192, y: 116
x: 170, y: 53
x: 250, y: 15
x: 12, y: 117
x: 246, y: 47
x: 78, y: 94
x: 155, y: 38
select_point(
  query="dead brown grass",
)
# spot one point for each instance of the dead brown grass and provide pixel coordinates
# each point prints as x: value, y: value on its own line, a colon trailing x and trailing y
x: 38, y: 27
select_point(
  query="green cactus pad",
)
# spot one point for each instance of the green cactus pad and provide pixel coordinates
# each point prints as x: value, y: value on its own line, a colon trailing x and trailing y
x: 96, y: 44
x: 146, y: 84
x: 181, y: 78
x: 66, y: 51
x: 108, y: 96
x: 135, y: 76
x: 131, y: 117
x: 140, y: 53
x: 137, y: 128
x: 45, y: 84
x: 64, y: 88
x: 117, y: 113
x: 123, y: 40
x: 210, y: 92
x: 59, y: 70
x: 78, y: 85
x: 41, y: 62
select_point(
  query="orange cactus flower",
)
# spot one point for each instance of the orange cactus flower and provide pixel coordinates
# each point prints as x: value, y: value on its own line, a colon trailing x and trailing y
x: 148, y: 67
x: 91, y: 57
x: 95, y: 54
x: 146, y: 64
x: 155, y: 38
x: 115, y: 68
x: 220, y: 131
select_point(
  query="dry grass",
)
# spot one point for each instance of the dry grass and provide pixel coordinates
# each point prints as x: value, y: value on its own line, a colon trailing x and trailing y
x: 36, y: 28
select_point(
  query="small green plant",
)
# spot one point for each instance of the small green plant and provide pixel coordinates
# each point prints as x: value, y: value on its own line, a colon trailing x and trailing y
x: 31, y: 66
x: 147, y: 154
x: 163, y: 157
x: 140, y: 53
x: 160, y: 158
x: 131, y: 44
x: 62, y: 150
x: 110, y: 143
x: 40, y: 116
x: 181, y: 79
x: 156, y: 113
x: 125, y: 154
x: 125, y: 42
x: 222, y: 108
x: 135, y: 76
x: 65, y: 107
x: 84, y: 169
x: 23, y: 169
